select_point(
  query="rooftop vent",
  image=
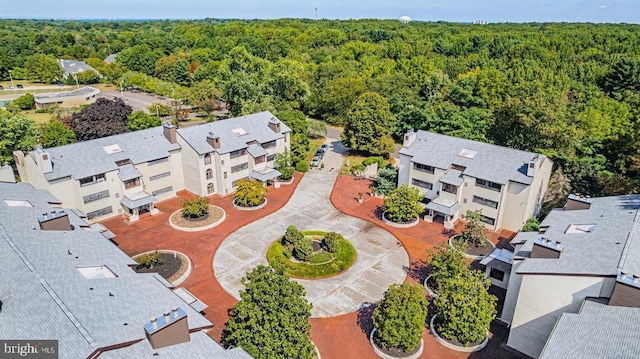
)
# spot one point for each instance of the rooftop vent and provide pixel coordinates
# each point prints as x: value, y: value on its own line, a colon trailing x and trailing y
x: 111, y: 149
x: 57, y: 220
x: 466, y: 153
x: 168, y: 329
x: 546, y: 248
x: 578, y: 202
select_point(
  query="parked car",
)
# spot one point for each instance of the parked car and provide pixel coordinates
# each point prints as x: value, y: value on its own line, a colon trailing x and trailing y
x: 60, y: 83
x: 319, y: 153
x: 324, y: 147
x: 10, y: 86
x: 315, y: 162
x: 1, y: 88
x: 20, y: 86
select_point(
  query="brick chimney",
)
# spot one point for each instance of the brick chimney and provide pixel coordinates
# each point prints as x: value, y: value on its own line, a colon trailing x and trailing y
x: 213, y: 140
x: 409, y: 138
x: 168, y: 329
x: 169, y: 132
x: 274, y: 125
x: 577, y: 202
x: 57, y: 220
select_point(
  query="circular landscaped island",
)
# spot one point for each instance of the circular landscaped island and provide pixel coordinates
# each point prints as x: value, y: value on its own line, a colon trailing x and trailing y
x: 311, y: 254
x: 173, y: 266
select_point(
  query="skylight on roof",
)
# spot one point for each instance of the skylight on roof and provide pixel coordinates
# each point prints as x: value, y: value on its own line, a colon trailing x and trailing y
x: 111, y: 149
x: 96, y: 272
x: 466, y: 153
x: 17, y: 203
x: 581, y: 228
x: 239, y: 131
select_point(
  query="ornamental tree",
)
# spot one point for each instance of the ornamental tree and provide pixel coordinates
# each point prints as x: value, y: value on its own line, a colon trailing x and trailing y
x: 369, y: 125
x: 402, y: 204
x: 330, y: 242
x: 474, y: 229
x: 385, y: 181
x: 445, y: 262
x: 271, y: 320
x: 250, y: 193
x: 303, y: 249
x: 399, y: 318
x: 292, y: 235
x: 464, y: 307
x: 139, y: 120
x: 103, y: 118
x: 284, y: 165
x: 195, y: 208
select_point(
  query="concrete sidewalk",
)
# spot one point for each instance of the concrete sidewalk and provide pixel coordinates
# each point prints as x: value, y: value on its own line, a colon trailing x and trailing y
x: 381, y: 258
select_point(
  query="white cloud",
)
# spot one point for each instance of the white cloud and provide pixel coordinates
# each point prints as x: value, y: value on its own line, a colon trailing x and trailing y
x: 602, y: 6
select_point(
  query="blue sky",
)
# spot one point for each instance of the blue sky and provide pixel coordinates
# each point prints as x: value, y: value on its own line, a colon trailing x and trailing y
x: 428, y: 10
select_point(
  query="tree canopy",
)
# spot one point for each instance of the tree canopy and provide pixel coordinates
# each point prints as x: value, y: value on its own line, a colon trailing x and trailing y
x: 271, y: 320
x: 370, y: 125
x: 103, y: 118
x: 17, y: 132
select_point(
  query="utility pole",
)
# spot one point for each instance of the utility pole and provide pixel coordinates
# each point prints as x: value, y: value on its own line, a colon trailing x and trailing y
x: 11, y: 78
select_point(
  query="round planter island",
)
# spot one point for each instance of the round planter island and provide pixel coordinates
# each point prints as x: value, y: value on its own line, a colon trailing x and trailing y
x: 379, y: 351
x: 253, y: 208
x: 490, y: 246
x: 215, y: 216
x: 430, y: 290
x: 413, y: 222
x: 453, y: 346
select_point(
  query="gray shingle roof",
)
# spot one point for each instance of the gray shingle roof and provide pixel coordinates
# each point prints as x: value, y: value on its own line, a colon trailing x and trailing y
x: 70, y: 67
x: 88, y: 158
x: 111, y: 58
x: 86, y: 91
x: 599, y: 331
x: 453, y: 177
x: 45, y: 296
x: 255, y: 126
x: 128, y: 172
x: 599, y: 252
x: 493, y: 163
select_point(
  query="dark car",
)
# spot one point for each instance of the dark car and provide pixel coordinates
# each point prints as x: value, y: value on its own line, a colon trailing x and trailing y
x: 60, y: 83
x: 1, y: 88
x: 324, y: 147
x: 319, y: 153
x: 20, y: 86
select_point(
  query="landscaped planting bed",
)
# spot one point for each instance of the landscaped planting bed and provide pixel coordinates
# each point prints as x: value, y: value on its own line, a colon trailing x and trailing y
x: 321, y: 264
x: 471, y: 249
x: 171, y: 268
x: 214, y: 215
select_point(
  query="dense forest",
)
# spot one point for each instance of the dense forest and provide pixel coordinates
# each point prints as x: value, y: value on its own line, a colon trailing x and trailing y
x: 570, y: 91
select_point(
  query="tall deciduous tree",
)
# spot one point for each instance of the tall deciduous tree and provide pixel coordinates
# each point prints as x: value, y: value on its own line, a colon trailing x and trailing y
x: 103, y: 118
x: 271, y: 320
x: 55, y: 133
x: 297, y: 121
x: 370, y: 125
x: 43, y: 68
x: 399, y: 318
x: 474, y: 229
x: 17, y: 132
x: 139, y: 120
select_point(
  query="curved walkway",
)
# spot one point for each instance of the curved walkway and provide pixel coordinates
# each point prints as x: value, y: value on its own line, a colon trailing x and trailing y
x: 381, y: 258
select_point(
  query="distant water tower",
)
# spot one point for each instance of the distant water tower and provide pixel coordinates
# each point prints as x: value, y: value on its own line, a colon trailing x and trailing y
x: 405, y: 19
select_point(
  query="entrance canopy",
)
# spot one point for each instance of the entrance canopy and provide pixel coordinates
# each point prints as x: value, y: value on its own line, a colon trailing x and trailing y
x: 265, y: 175
x: 138, y: 199
x: 444, y: 206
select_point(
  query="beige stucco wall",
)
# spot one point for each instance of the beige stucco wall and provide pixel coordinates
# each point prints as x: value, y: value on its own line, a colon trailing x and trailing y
x: 540, y: 302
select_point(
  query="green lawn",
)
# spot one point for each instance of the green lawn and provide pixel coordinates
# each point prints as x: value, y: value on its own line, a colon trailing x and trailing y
x: 332, y: 264
x: 38, y: 117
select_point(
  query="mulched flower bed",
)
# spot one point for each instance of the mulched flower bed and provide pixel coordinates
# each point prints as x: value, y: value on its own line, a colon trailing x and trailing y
x: 471, y: 249
x: 170, y: 269
x: 215, y: 213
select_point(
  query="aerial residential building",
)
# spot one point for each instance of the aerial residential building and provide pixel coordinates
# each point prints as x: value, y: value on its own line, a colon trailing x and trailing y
x: 77, y: 97
x: 456, y: 175
x: 72, y: 67
x: 64, y: 281
x: 575, y: 284
x: 126, y: 174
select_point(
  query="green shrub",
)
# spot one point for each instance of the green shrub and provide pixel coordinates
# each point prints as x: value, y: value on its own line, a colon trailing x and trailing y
x: 25, y: 102
x: 149, y: 260
x: 195, y: 208
x: 371, y: 160
x: 385, y: 181
x: 250, y: 193
x: 303, y: 249
x: 302, y: 166
x: 330, y: 242
x: 445, y: 262
x: 531, y: 225
x: 357, y: 169
x: 292, y: 236
x: 403, y: 204
x: 283, y: 165
x: 400, y: 316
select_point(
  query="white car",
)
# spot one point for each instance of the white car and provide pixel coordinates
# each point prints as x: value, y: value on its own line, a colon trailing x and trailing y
x: 315, y: 162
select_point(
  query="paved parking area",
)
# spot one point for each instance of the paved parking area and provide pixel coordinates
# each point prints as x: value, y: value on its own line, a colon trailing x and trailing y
x: 381, y: 258
x: 137, y: 100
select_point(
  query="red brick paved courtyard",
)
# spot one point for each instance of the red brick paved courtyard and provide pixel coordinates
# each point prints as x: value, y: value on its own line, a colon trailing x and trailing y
x: 338, y: 337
